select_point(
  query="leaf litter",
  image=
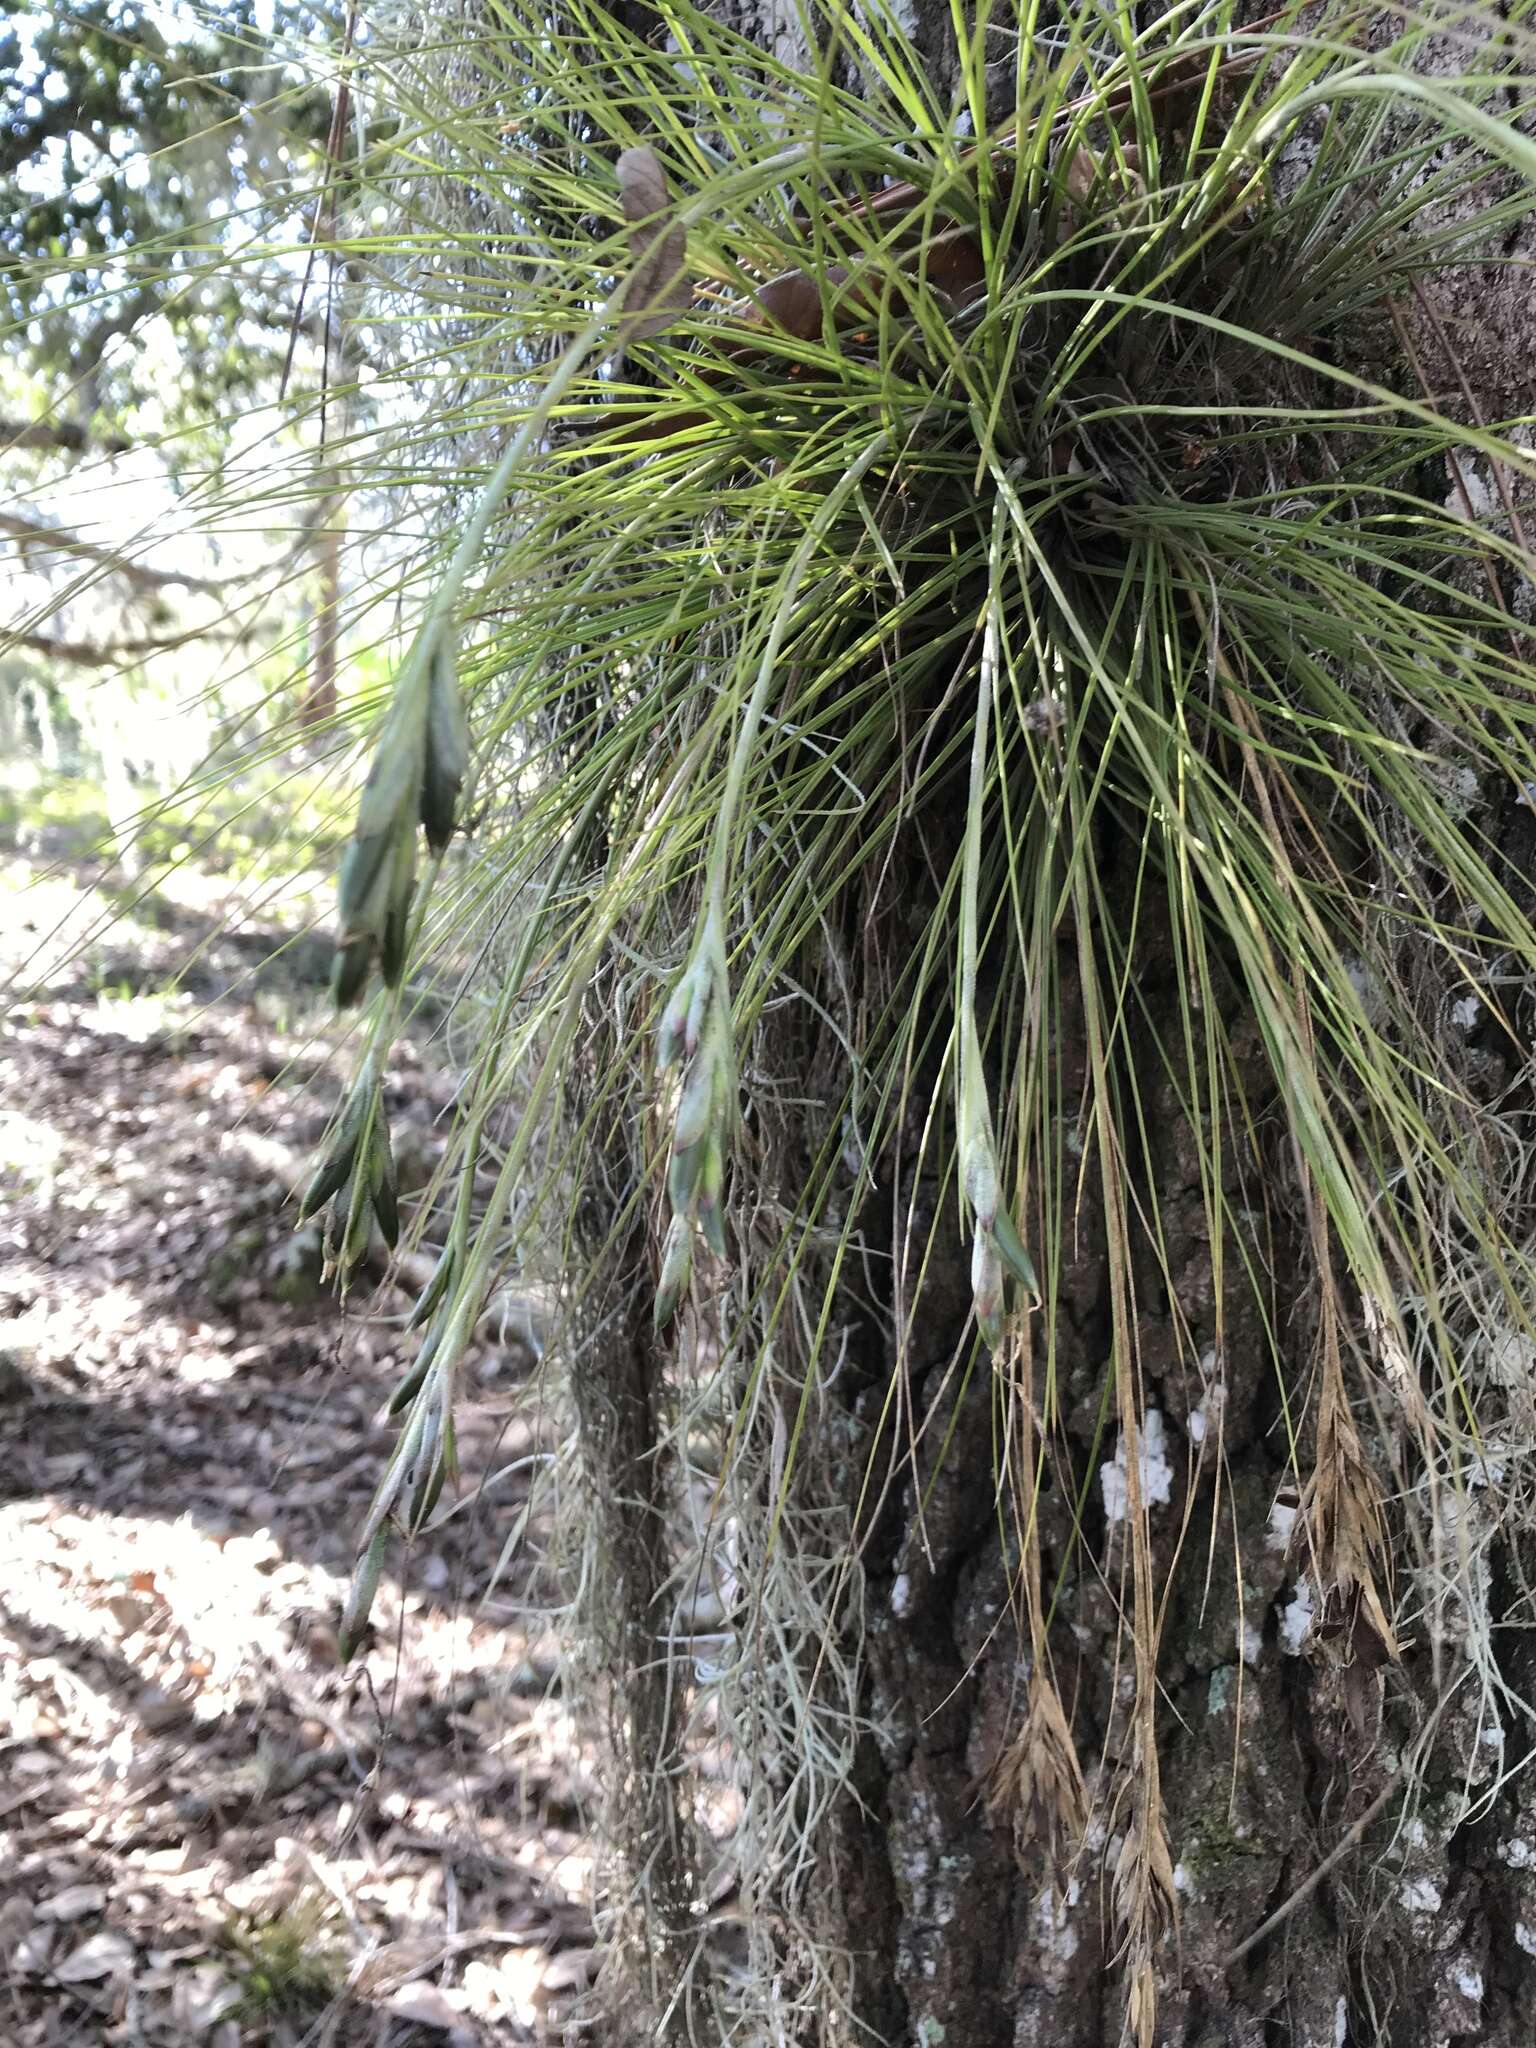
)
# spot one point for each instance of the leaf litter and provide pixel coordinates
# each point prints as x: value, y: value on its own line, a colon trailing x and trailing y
x: 188, y: 1780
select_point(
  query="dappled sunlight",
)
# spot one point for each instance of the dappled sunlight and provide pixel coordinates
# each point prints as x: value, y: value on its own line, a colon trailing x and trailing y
x: 197, y: 1794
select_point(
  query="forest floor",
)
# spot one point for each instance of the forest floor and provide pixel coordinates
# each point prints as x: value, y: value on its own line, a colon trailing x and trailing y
x: 210, y: 1832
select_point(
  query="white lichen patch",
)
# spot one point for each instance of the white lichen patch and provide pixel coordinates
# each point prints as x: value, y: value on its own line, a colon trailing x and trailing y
x: 1282, y: 1521
x: 1297, y: 1616
x: 1205, y: 1417
x: 1154, y: 1472
x: 1056, y: 1938
x: 1525, y: 1937
x: 1420, y: 1895
x: 901, y: 1595
x: 1250, y: 1642
x: 1517, y: 1853
x: 1469, y: 1982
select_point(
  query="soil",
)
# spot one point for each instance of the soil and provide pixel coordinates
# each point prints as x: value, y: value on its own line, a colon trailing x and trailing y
x: 209, y: 1831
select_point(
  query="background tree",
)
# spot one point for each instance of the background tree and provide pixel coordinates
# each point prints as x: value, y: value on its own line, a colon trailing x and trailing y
x: 159, y: 178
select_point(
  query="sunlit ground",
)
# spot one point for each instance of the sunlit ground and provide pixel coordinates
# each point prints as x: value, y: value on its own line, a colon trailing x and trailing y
x: 209, y: 1831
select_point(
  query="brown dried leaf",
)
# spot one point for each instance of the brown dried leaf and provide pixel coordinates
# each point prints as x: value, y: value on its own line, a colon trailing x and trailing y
x: 73, y: 1903
x: 658, y: 285
x: 104, y: 1955
x: 1037, y: 1783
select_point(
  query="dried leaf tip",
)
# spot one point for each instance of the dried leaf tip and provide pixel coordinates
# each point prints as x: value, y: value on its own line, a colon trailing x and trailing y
x: 658, y: 288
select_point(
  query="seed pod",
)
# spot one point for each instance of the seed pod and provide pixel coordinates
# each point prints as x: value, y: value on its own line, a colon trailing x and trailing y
x: 421, y: 1463
x: 353, y: 1213
x: 703, y: 981
x: 397, y: 1473
x: 442, y: 1274
x: 381, y: 1180
x: 329, y: 1175
x: 336, y: 1218
x: 695, y: 1105
x: 981, y: 1181
x: 359, y: 894
x: 446, y: 758
x: 413, y: 1382
x: 349, y: 970
x: 395, y: 775
x: 342, y: 1150
x: 360, y: 1597
x: 676, y: 1265
x: 987, y: 1288
x: 450, y: 1450
x: 674, y: 1019
x: 392, y: 943
x: 683, y: 1177
x: 425, y: 1496
x: 711, y: 1207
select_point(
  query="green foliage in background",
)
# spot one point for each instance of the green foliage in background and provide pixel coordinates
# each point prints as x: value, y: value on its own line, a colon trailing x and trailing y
x: 124, y: 131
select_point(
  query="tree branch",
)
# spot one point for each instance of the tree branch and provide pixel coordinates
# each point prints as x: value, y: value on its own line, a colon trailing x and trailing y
x: 83, y: 654
x: 56, y: 541
x: 60, y: 434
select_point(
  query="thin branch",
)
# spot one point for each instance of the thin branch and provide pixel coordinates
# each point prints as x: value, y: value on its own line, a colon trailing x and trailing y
x: 30, y: 532
x: 66, y: 435
x: 88, y: 654
x: 1348, y: 1840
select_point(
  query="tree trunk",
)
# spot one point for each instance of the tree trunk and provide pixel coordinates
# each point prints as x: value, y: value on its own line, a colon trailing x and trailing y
x: 1353, y: 1843
x: 319, y: 707
x: 1320, y: 1901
